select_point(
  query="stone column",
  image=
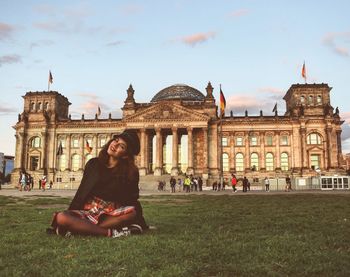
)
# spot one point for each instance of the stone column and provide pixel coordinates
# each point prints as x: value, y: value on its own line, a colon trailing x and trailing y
x: 278, y: 152
x: 95, y: 145
x: 189, y: 170
x: 143, y: 148
x: 247, y: 150
x: 44, y: 153
x: 159, y: 154
x: 329, y: 147
x: 175, y: 158
x: 262, y: 150
x: 68, y: 147
x: 205, y: 154
x: 304, y: 157
x: 339, y: 154
x: 19, y: 153
x: 232, y: 152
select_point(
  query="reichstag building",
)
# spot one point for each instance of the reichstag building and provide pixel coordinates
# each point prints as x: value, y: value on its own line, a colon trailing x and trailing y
x: 179, y: 134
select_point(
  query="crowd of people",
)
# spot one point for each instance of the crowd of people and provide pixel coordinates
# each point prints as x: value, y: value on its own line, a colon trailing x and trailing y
x: 26, y: 182
x: 188, y: 184
x: 191, y: 183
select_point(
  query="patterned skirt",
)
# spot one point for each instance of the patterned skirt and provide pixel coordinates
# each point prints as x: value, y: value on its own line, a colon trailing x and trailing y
x: 95, y: 207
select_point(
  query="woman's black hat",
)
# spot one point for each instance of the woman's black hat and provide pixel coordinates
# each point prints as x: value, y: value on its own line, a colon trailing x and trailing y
x: 132, y: 140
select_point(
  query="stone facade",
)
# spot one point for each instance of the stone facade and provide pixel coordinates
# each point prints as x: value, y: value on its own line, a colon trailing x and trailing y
x: 181, y: 134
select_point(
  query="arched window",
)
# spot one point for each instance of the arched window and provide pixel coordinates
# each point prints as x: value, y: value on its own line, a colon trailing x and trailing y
x: 32, y: 106
x: 314, y: 138
x: 311, y: 99
x: 35, y: 142
x: 269, y: 162
x: 239, y: 162
x: 38, y: 106
x: 254, y: 161
x: 75, y: 162
x: 87, y: 158
x: 284, y: 161
x: 319, y: 99
x: 225, y: 162
x: 46, y: 106
x: 302, y: 99
x: 62, y: 162
x: 102, y: 141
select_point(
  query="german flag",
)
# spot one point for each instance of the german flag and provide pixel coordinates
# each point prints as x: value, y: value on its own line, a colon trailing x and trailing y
x: 88, y: 147
x: 222, y: 103
x: 303, y: 71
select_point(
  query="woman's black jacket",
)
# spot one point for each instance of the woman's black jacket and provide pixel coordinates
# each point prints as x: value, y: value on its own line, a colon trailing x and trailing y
x: 129, y: 196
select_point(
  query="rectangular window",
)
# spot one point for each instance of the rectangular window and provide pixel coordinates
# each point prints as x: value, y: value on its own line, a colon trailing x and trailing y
x: 75, y: 143
x: 315, y: 161
x: 58, y: 180
x: 239, y: 141
x: 269, y: 140
x: 284, y: 140
x: 253, y: 141
x: 224, y: 141
x: 34, y: 163
x: 102, y: 142
x: 62, y: 141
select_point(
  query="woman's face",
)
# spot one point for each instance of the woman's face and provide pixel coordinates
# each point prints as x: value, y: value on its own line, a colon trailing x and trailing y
x: 117, y: 148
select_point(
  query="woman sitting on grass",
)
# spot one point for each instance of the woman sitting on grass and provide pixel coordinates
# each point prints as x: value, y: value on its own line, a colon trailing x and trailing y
x: 106, y: 202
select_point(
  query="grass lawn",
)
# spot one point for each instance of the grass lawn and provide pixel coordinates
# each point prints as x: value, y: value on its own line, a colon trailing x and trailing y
x: 197, y: 235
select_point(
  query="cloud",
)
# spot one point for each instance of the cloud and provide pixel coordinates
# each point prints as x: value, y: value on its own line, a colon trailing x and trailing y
x: 41, y: 43
x: 58, y: 27
x: 6, y: 31
x: 272, y: 90
x: 333, y: 41
x: 5, y: 109
x: 240, y: 102
x: 115, y: 43
x: 90, y: 106
x: 10, y: 59
x: 239, y: 13
x: 194, y: 39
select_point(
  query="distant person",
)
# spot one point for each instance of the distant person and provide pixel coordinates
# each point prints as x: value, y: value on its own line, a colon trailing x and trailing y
x: 234, y: 182
x: 43, y: 183
x: 245, y: 184
x: 172, y: 184
x: 50, y: 185
x: 267, y: 184
x: 179, y: 183
x: 200, y: 184
x: 288, y: 184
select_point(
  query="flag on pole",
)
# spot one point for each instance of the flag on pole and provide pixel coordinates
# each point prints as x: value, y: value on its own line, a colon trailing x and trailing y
x: 60, y: 149
x: 303, y: 72
x: 222, y: 103
x: 98, y: 111
x: 274, y: 108
x: 87, y: 147
x: 50, y: 78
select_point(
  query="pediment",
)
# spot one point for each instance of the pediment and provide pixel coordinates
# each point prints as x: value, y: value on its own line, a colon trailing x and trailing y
x: 167, y: 112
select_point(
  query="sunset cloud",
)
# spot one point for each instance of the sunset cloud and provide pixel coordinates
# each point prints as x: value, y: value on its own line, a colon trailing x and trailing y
x: 335, y: 41
x: 239, y: 103
x: 6, y: 31
x: 6, y: 109
x: 195, y: 39
x: 10, y: 59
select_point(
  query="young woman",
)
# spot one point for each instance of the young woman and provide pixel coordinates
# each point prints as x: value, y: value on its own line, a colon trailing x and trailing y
x: 106, y: 202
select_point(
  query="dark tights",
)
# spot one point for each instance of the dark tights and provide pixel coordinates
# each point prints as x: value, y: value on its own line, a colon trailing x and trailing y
x: 70, y: 221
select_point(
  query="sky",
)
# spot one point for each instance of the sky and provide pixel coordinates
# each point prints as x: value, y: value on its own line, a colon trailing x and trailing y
x: 95, y: 49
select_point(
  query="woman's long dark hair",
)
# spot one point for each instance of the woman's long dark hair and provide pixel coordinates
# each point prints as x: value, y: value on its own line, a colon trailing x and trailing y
x: 125, y: 166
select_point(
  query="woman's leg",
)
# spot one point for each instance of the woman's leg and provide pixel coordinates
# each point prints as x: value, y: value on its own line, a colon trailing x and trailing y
x: 71, y: 222
x: 109, y: 221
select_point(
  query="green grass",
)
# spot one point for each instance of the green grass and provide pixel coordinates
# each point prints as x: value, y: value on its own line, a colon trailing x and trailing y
x: 238, y: 235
